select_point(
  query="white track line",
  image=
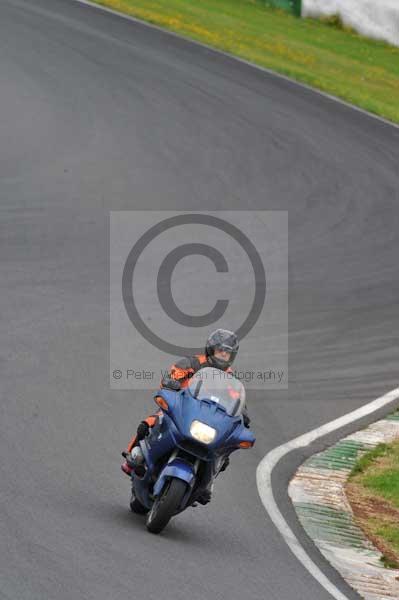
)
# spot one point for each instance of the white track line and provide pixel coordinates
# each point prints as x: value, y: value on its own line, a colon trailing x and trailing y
x: 264, y: 483
x: 305, y: 86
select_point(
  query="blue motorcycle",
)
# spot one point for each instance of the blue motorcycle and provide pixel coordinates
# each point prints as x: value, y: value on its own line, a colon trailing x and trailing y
x: 198, y: 428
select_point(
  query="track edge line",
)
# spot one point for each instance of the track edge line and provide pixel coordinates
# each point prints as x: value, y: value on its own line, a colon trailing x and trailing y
x: 241, y: 60
x: 269, y: 462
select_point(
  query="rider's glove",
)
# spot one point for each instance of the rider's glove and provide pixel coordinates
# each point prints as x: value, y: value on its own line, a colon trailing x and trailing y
x: 142, y: 430
x: 171, y: 384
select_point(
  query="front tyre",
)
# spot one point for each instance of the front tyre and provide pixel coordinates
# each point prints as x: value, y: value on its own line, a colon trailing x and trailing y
x: 166, y: 505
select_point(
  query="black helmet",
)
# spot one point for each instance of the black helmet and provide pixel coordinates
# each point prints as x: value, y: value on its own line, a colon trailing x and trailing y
x: 221, y: 339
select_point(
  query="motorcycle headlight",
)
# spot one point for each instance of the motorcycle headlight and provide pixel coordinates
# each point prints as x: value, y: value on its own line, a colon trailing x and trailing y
x: 203, y: 433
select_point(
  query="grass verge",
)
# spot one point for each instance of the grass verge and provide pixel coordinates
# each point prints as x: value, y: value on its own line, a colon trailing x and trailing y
x: 373, y: 491
x: 359, y: 70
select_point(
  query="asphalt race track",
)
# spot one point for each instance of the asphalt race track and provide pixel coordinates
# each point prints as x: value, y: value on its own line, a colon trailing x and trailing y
x: 101, y: 113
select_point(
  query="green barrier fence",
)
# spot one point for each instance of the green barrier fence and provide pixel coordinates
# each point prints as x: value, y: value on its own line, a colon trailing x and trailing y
x: 292, y: 6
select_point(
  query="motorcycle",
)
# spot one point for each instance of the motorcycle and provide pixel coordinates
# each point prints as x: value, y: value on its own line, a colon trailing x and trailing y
x: 198, y: 428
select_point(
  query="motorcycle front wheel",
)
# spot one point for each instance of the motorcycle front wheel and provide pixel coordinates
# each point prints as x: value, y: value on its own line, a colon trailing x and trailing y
x: 166, y: 505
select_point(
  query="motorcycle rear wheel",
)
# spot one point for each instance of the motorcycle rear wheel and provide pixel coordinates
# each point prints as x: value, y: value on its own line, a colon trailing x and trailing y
x: 166, y: 505
x: 136, y: 506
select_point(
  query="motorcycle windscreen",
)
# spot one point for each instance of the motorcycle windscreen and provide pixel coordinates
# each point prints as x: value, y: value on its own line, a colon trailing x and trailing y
x: 220, y: 387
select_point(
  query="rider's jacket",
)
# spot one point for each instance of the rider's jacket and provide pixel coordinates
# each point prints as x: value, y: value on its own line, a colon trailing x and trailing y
x: 185, y: 367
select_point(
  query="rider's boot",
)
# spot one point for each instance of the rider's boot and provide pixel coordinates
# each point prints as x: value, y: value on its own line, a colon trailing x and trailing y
x: 134, y: 462
x: 126, y: 468
x: 225, y: 464
x: 206, y: 494
x: 134, y: 458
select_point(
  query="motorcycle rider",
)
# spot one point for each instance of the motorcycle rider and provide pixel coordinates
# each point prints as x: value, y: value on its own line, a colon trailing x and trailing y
x: 220, y: 351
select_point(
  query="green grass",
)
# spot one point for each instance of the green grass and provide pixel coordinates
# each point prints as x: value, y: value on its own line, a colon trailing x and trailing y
x: 390, y: 533
x: 369, y: 458
x: 382, y: 477
x: 322, y: 54
x: 376, y: 481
